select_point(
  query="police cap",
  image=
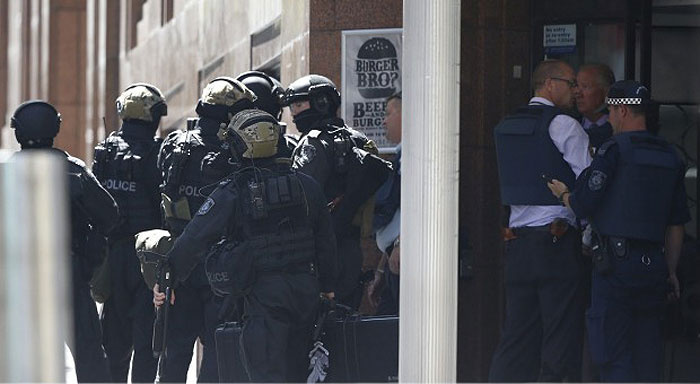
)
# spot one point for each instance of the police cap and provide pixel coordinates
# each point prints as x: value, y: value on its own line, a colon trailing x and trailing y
x: 628, y: 92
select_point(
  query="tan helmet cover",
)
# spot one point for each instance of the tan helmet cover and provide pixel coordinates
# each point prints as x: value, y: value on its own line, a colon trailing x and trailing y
x: 137, y: 101
x: 226, y: 91
x: 259, y: 130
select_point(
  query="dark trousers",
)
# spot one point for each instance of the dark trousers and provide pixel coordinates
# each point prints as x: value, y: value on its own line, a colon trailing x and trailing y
x: 541, y: 337
x: 278, y: 320
x: 389, y: 303
x: 348, y: 289
x: 624, y: 321
x: 88, y: 355
x: 194, y: 315
x: 127, y: 317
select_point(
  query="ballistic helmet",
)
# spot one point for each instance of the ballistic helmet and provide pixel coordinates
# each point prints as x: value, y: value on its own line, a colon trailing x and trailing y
x: 252, y: 134
x: 141, y: 101
x: 268, y: 90
x: 320, y: 91
x: 223, y: 97
x: 35, y: 121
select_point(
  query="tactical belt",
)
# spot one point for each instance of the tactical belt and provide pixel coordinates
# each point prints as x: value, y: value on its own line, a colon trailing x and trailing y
x: 557, y: 228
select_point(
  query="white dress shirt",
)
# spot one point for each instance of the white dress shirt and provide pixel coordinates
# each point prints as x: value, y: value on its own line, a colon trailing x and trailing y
x: 568, y: 136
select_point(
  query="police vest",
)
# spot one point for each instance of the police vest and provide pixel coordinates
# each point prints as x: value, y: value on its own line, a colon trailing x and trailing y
x: 525, y: 152
x: 273, y: 219
x: 194, y: 169
x: 127, y: 169
x: 638, y: 200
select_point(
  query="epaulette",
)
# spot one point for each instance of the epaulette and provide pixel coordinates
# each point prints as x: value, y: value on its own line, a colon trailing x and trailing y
x: 314, y: 133
x: 605, y: 147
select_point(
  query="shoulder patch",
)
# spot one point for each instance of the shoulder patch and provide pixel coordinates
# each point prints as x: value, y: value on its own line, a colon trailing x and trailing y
x: 596, y: 180
x: 206, y: 207
x: 306, y: 154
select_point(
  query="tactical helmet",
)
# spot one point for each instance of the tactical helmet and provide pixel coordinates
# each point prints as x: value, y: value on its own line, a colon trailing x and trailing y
x: 35, y: 121
x: 319, y: 90
x: 252, y: 134
x: 268, y: 90
x: 223, y: 97
x: 141, y: 101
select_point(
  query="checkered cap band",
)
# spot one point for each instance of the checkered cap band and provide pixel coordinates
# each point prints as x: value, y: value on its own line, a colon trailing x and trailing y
x: 623, y: 100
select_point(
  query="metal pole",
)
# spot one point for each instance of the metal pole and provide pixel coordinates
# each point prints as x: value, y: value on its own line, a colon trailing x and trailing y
x: 430, y: 181
x: 34, y: 268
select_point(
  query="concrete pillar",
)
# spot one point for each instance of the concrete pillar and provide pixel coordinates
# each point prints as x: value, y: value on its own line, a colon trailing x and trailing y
x: 430, y: 175
x: 34, y: 272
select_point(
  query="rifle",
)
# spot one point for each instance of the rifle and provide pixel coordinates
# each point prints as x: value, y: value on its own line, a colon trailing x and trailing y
x: 160, y: 325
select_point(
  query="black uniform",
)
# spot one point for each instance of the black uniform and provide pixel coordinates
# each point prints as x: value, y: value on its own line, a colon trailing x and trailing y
x: 125, y: 164
x: 632, y: 192
x: 286, y: 239
x: 93, y: 214
x: 192, y: 164
x: 329, y: 154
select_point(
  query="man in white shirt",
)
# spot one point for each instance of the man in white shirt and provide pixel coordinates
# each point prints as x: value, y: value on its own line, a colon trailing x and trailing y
x: 594, y: 81
x: 541, y: 338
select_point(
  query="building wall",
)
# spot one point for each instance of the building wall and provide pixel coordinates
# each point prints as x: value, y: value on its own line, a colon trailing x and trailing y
x: 45, y: 60
x: 495, y: 37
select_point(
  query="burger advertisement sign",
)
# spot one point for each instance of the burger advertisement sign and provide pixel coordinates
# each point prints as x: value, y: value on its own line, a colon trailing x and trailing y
x: 371, y: 72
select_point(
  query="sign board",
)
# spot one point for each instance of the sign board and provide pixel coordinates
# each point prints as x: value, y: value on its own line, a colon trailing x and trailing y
x: 559, y: 38
x: 371, y: 72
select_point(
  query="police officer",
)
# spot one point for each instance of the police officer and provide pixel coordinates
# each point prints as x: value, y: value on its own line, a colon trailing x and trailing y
x: 192, y: 163
x: 125, y: 164
x: 328, y: 152
x: 634, y: 196
x: 278, y: 220
x: 541, y: 337
x: 93, y: 214
x: 269, y: 92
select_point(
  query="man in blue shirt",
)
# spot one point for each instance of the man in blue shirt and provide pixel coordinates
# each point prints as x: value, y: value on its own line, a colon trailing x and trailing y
x: 634, y: 197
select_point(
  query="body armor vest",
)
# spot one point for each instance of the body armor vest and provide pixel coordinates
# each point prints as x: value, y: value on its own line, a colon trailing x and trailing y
x: 126, y: 167
x: 638, y: 200
x: 196, y: 165
x: 273, y: 219
x: 525, y: 152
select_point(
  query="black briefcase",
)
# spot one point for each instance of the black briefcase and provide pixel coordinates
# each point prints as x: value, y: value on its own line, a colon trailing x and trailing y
x: 362, y: 349
x: 228, y: 353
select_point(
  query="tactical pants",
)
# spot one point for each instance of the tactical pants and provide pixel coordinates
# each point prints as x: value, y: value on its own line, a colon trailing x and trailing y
x: 389, y: 304
x: 194, y: 315
x: 541, y: 337
x: 624, y: 321
x: 348, y: 290
x: 127, y: 317
x: 90, y: 360
x: 278, y: 320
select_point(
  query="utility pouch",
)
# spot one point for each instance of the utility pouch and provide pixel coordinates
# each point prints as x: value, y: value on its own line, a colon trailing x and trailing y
x: 619, y: 247
x: 601, y: 257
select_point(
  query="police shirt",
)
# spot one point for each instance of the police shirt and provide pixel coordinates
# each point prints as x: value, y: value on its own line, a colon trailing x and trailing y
x: 213, y: 218
x: 590, y: 189
x: 570, y: 139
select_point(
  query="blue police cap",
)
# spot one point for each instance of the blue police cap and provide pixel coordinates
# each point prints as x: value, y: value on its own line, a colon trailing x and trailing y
x: 628, y: 92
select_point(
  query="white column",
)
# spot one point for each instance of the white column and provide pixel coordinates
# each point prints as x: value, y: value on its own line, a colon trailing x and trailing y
x: 34, y: 268
x: 430, y: 185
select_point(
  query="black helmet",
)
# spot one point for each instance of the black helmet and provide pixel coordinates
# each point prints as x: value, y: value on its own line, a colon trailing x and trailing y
x: 319, y: 90
x: 34, y: 122
x: 268, y: 90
